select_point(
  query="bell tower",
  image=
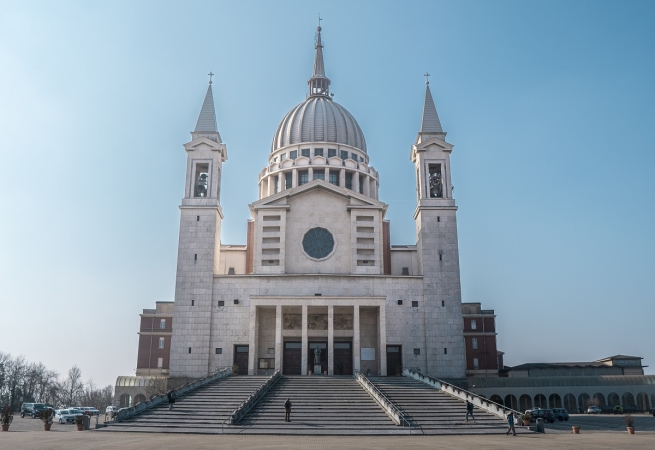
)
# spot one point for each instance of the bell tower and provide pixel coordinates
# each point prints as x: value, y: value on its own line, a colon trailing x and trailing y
x: 438, y: 254
x: 199, y: 245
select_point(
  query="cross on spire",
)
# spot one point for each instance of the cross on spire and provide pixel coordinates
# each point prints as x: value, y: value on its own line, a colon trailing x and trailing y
x: 427, y: 78
x: 211, y: 74
x: 319, y: 21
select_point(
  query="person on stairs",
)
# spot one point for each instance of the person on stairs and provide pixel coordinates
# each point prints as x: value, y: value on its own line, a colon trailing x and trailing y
x: 287, y: 411
x: 469, y: 410
x: 510, y: 424
x: 171, y: 399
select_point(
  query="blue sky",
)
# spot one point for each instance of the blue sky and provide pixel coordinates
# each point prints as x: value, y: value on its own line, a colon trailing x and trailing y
x: 549, y: 106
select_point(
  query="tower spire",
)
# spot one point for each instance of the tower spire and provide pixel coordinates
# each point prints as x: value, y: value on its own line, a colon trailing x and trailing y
x: 430, y: 124
x: 207, y: 119
x: 319, y: 84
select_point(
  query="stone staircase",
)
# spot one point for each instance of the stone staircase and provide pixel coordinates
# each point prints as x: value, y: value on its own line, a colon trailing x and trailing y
x: 433, y: 412
x: 201, y: 411
x: 321, y: 406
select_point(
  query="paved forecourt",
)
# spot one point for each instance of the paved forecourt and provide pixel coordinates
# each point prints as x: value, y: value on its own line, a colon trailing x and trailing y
x: 17, y: 440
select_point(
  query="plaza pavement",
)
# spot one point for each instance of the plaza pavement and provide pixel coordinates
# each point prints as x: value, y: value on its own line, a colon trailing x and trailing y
x: 17, y: 440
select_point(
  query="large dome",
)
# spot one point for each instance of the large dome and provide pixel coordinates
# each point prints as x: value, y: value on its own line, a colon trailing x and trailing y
x: 319, y: 119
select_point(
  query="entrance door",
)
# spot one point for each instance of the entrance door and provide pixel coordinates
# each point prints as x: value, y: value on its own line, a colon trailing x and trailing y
x: 343, y: 358
x: 241, y: 358
x: 291, y: 358
x: 317, y: 356
x: 394, y: 360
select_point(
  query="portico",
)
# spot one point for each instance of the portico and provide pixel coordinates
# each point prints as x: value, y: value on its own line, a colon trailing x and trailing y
x: 352, y: 327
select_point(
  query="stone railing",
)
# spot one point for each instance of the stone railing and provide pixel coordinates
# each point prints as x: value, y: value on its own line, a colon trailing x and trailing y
x: 454, y: 391
x: 126, y: 413
x: 243, y: 409
x: 387, y: 405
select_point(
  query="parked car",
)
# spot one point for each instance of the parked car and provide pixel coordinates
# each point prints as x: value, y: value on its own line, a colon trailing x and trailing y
x: 594, y: 410
x: 64, y: 416
x: 560, y: 414
x: 31, y: 409
x: 75, y: 411
x: 538, y: 413
x: 91, y: 411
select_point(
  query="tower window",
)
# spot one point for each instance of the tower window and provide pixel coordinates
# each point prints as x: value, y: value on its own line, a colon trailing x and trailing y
x: 230, y: 271
x: 400, y: 302
x: 334, y: 177
x: 283, y: 156
x: 443, y: 303
x: 161, y: 342
x: 474, y: 343
x: 195, y: 257
x: 435, y: 181
x: 201, y: 181
x: 405, y: 270
x: 349, y: 180
x: 304, y: 177
x: 305, y: 152
x: 417, y: 351
x: 353, y: 156
x: 474, y: 324
x: 288, y: 180
x: 197, y: 218
x: 332, y: 152
x: 293, y: 154
x: 162, y: 324
x: 319, y: 175
x: 440, y: 257
x: 344, y: 154
x: 318, y: 152
x: 414, y: 304
x: 189, y: 349
x: 221, y: 303
x: 219, y: 351
x: 476, y: 364
x: 193, y: 303
x: 445, y: 351
x: 438, y: 218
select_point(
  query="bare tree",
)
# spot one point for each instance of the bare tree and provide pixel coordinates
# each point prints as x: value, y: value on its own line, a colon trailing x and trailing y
x: 72, y: 387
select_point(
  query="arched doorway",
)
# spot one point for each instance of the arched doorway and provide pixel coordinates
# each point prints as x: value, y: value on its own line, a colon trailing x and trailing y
x: 540, y: 401
x: 555, y: 401
x: 613, y: 399
x: 584, y: 402
x: 511, y: 402
x: 496, y: 399
x: 139, y: 398
x: 525, y: 402
x: 125, y: 401
x: 628, y: 399
x: 642, y: 402
x: 569, y: 403
x: 598, y: 400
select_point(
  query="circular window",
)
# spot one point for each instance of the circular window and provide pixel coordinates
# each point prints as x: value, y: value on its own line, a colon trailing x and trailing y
x: 318, y: 243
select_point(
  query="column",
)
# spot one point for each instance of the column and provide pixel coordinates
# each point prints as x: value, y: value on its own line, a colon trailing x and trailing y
x: 356, y: 350
x: 294, y: 178
x: 382, y: 330
x: 330, y: 340
x: 261, y: 189
x: 270, y: 185
x: 327, y: 174
x: 252, y: 347
x: 367, y: 185
x: 278, y: 337
x: 303, y: 357
x: 356, y: 182
x: 342, y: 178
x: 310, y: 174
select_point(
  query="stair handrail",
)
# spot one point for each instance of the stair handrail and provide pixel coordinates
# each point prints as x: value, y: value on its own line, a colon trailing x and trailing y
x: 126, y: 413
x: 481, y: 402
x: 387, y: 405
x: 240, y: 411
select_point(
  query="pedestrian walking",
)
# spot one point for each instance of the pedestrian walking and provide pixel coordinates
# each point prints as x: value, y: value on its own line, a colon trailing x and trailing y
x: 510, y: 424
x: 287, y: 411
x: 469, y: 411
x: 171, y: 399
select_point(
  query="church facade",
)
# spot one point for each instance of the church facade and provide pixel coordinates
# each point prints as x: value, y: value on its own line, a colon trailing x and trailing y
x: 318, y: 287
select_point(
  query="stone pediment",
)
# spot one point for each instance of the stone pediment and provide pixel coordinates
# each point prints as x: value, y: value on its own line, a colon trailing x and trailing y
x: 432, y: 144
x: 203, y: 143
x: 354, y: 198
